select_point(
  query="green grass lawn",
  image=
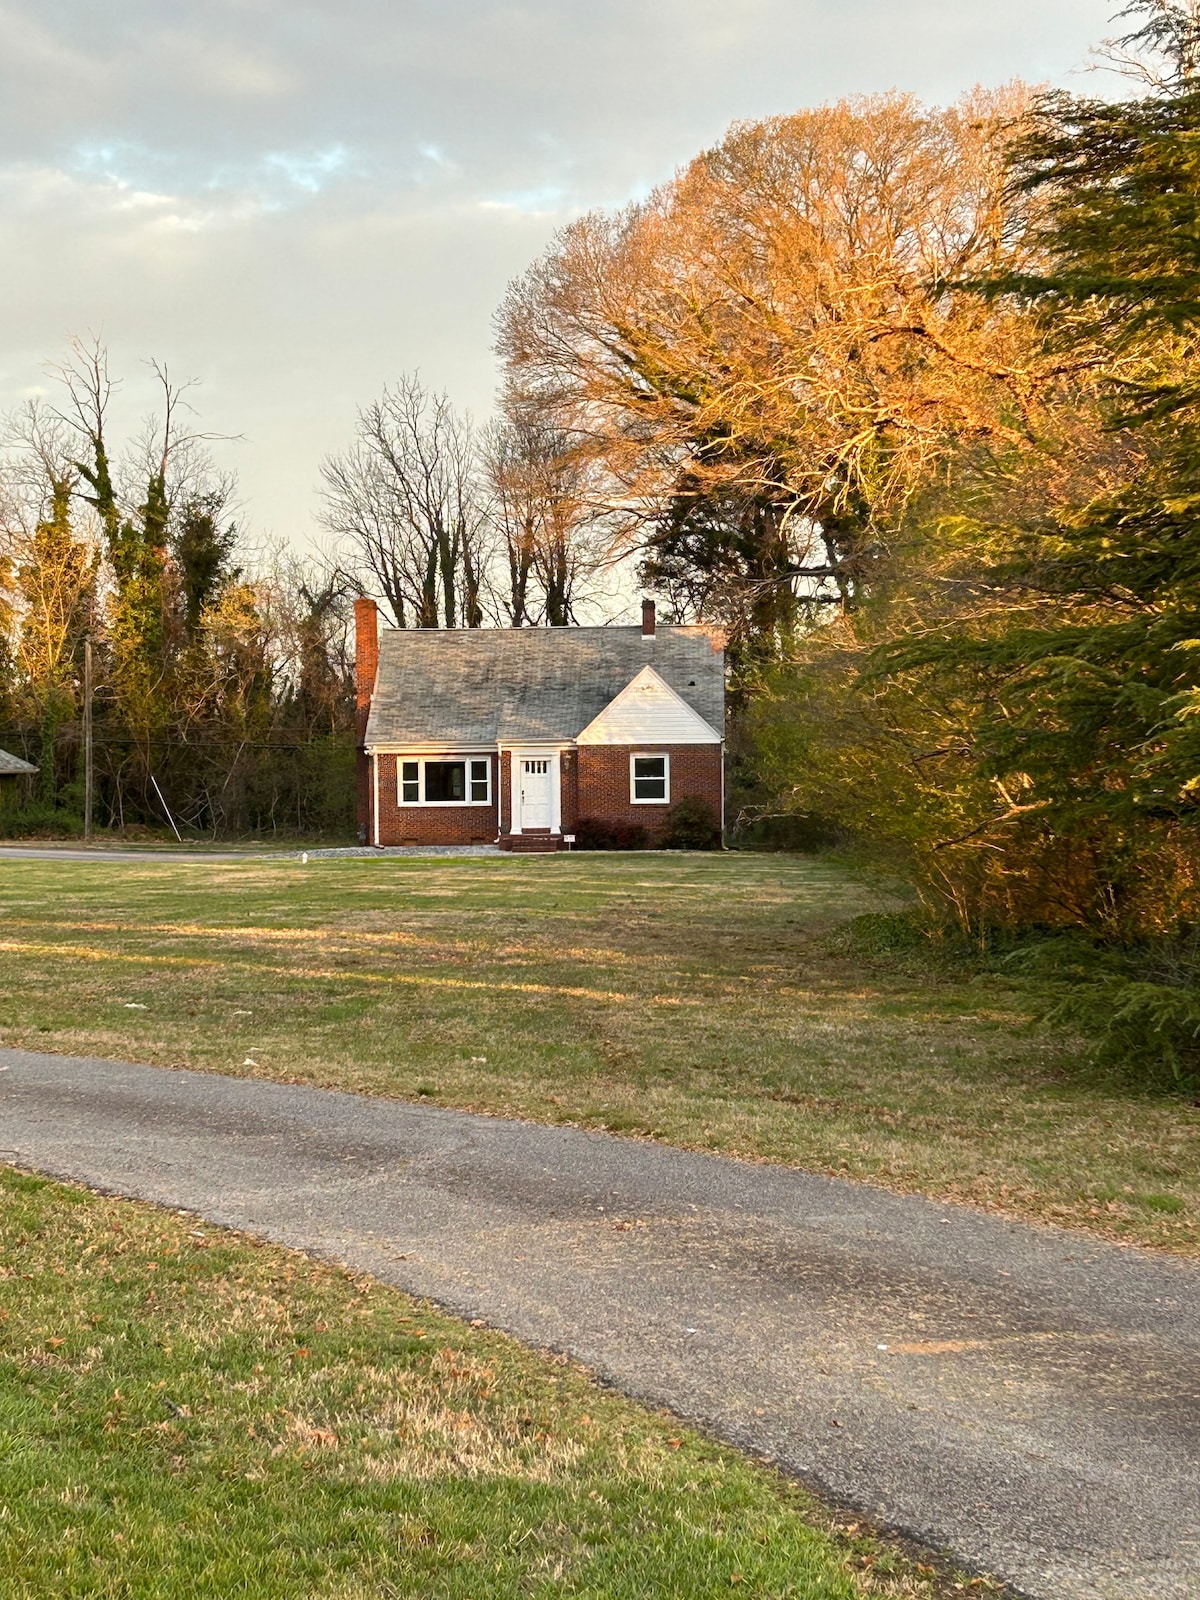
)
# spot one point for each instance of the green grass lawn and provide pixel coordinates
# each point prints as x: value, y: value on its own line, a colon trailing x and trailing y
x: 185, y: 1415
x: 704, y: 1000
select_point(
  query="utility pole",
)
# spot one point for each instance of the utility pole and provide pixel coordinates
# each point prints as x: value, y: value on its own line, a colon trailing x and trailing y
x: 87, y: 737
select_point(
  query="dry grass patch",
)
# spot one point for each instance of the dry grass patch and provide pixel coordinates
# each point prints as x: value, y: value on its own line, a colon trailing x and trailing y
x: 695, y: 999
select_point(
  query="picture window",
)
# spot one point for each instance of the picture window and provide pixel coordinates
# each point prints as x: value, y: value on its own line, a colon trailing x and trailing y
x: 445, y: 783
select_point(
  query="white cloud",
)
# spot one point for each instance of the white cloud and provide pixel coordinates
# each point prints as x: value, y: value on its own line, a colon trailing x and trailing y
x: 296, y: 200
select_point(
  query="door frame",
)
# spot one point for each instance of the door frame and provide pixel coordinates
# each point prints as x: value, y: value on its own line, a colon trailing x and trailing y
x: 534, y: 753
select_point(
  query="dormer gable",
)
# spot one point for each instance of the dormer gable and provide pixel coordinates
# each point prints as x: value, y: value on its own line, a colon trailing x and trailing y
x: 648, y: 711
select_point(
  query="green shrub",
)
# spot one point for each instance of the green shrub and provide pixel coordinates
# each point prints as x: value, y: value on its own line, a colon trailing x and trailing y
x: 885, y: 933
x: 38, y: 819
x: 1137, y: 1005
x: 1147, y: 1030
x: 790, y: 831
x: 692, y: 824
x: 595, y: 833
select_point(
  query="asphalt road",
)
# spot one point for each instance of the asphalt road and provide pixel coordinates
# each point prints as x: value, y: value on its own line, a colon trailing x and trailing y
x: 54, y: 852
x: 1025, y: 1397
x: 57, y: 852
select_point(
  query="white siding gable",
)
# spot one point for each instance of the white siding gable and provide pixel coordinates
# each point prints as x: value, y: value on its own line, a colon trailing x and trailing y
x: 648, y: 711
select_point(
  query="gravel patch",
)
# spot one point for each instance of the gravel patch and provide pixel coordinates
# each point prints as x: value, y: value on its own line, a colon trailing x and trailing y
x: 367, y: 851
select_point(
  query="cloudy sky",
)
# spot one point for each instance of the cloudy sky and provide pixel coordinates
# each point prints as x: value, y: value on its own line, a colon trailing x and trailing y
x: 295, y: 200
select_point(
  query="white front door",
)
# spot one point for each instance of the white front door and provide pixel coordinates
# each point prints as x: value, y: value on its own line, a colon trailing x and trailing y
x: 535, y: 792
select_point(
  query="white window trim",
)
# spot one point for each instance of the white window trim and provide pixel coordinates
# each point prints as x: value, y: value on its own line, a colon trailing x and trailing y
x: 440, y: 805
x: 650, y: 755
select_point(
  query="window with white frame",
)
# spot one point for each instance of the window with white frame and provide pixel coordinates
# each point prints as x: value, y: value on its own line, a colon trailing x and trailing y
x: 649, y: 780
x: 447, y: 782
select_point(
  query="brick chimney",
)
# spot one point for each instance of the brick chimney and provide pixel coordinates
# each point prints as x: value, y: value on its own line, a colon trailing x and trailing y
x: 647, y: 619
x: 366, y: 649
x: 366, y: 665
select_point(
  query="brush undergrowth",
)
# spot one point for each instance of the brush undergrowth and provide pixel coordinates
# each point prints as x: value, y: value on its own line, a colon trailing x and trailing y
x: 1138, y: 1006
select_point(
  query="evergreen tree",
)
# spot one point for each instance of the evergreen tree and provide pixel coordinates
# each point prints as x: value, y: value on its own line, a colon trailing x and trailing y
x: 1072, y: 655
x: 203, y: 552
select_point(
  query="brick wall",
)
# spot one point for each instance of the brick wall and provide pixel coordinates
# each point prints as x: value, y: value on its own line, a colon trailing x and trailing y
x: 569, y: 767
x: 603, y: 782
x: 431, y: 824
x: 595, y: 783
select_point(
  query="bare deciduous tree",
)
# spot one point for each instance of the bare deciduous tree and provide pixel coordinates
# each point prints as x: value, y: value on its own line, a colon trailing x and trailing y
x: 406, y: 506
x: 547, y: 527
x: 219, y: 684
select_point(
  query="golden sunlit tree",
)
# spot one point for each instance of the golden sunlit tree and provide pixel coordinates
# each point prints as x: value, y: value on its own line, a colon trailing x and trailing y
x: 771, y: 353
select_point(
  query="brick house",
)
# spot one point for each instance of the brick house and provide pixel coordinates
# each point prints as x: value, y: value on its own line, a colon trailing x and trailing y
x: 515, y: 736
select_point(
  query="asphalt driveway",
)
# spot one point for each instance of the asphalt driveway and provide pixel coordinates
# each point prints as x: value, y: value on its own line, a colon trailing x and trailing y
x: 1025, y: 1397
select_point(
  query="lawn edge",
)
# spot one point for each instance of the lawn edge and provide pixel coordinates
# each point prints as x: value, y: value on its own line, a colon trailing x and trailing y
x: 855, y: 1533
x: 1189, y: 1254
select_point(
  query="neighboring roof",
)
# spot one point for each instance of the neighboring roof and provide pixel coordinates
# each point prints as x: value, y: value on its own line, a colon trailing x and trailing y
x: 13, y: 765
x: 481, y: 686
x: 648, y: 711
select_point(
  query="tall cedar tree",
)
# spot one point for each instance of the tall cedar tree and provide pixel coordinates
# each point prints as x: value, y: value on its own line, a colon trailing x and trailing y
x: 1095, y: 725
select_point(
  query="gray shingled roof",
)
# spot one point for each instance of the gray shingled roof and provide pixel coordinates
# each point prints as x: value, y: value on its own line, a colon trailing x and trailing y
x: 13, y: 765
x: 478, y: 686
